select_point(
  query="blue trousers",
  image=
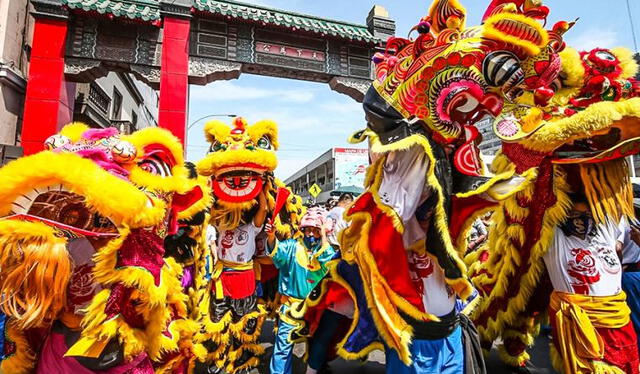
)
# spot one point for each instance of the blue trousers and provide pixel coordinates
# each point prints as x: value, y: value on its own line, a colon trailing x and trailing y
x: 282, y: 347
x: 445, y: 356
x: 631, y: 286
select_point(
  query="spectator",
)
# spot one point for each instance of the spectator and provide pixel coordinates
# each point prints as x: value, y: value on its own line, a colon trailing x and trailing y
x: 335, y: 219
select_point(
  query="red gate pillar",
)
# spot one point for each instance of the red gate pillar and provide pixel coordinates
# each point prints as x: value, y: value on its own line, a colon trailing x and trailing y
x: 174, y: 76
x: 49, y: 98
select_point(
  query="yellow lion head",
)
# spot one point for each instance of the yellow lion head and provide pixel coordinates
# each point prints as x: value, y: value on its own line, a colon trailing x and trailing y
x: 239, y: 159
x: 240, y: 165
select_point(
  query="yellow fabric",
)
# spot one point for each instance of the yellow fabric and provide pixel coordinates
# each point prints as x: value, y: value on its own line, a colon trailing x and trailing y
x: 577, y: 317
x: 87, y: 347
x: 217, y: 272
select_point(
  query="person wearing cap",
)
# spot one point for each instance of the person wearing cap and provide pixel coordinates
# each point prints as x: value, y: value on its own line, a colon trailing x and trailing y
x: 302, y: 263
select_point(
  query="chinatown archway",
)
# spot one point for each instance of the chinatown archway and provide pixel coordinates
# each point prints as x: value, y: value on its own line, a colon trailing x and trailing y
x: 170, y: 44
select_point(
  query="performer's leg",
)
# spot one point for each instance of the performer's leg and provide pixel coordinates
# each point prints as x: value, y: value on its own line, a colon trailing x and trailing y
x: 219, y: 334
x: 282, y: 347
x: 431, y: 356
x: 631, y: 286
x: 245, y: 351
x: 321, y: 340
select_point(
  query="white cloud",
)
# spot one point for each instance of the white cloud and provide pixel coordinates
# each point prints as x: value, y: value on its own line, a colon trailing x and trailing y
x: 230, y: 91
x: 592, y: 38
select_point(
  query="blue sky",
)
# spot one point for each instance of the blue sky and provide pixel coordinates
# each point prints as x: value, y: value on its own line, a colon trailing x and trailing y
x: 313, y: 118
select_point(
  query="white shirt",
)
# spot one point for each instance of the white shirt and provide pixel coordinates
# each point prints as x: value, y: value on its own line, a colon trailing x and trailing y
x: 428, y: 277
x: 238, y: 245
x: 588, y: 266
x: 404, y: 189
x: 630, y: 250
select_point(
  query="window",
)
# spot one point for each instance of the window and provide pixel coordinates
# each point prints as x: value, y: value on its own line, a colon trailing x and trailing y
x: 116, y: 109
x: 134, y: 118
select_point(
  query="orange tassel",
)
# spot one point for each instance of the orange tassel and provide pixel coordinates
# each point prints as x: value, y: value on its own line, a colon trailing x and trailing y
x: 34, y: 279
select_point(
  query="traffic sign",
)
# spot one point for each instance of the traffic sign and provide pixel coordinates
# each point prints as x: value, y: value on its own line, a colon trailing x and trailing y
x: 315, y: 190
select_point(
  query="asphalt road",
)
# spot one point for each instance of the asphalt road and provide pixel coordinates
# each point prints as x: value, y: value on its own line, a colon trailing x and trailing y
x: 375, y: 364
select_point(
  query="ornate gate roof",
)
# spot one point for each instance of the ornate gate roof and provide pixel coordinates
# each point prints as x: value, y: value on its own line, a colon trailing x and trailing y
x: 287, y: 19
x: 149, y: 10
x: 145, y: 10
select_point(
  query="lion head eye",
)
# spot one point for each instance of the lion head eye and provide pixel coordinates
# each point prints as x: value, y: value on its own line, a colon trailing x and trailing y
x: 264, y: 142
x: 123, y: 151
x: 155, y: 165
x: 217, y: 146
x: 56, y: 141
x: 605, y: 55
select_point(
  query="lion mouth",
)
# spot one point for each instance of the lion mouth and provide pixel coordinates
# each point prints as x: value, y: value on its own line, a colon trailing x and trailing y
x: 598, y: 148
x: 237, y: 184
x: 66, y: 211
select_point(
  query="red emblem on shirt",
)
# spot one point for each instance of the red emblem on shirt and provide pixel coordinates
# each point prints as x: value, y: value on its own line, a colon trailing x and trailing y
x: 583, y: 269
x: 421, y: 266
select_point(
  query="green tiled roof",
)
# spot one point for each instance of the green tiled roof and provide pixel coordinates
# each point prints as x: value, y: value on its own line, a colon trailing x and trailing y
x: 146, y: 10
x: 283, y: 18
x: 149, y: 10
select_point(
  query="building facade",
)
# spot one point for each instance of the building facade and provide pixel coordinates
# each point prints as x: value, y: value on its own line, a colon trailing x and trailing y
x: 490, y: 144
x: 114, y: 100
x: 336, y: 171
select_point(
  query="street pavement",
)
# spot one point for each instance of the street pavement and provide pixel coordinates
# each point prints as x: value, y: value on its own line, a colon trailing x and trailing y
x: 375, y: 364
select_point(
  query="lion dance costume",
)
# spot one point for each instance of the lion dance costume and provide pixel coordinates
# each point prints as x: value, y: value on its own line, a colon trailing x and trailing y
x: 84, y: 282
x: 428, y: 94
x: 574, y: 144
x: 240, y: 165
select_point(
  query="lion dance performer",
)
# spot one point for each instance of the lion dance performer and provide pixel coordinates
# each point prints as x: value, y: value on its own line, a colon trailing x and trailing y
x: 401, y: 265
x: 302, y: 263
x: 554, y: 242
x: 240, y: 166
x: 84, y: 284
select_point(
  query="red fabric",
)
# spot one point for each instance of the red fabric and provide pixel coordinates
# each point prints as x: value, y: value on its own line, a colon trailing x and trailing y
x: 238, y: 284
x: 52, y: 360
x: 143, y: 249
x: 181, y: 202
x: 385, y: 243
x: 122, y: 302
x: 268, y: 272
x: 462, y: 209
x: 313, y: 314
x: 621, y: 347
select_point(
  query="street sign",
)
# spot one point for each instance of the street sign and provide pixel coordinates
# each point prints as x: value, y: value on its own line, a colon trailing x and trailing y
x: 315, y: 190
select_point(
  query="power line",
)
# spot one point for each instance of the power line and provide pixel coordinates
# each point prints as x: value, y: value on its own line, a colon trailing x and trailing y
x: 633, y: 29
